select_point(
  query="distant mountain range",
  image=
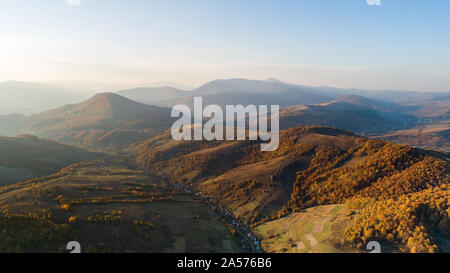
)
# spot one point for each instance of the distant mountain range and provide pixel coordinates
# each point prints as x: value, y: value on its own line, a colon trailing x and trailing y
x: 30, y: 98
x: 45, y: 96
x: 27, y: 98
x: 105, y: 119
x: 272, y: 91
x: 349, y: 112
x: 100, y: 87
x: 110, y: 119
x: 363, y: 111
x: 326, y: 188
x: 24, y: 157
x: 103, y: 111
x: 154, y: 96
x: 115, y: 119
x: 233, y: 91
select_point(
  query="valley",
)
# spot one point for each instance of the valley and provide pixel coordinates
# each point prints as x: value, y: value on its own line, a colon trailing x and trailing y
x: 107, y: 207
x: 225, y: 135
x: 432, y: 136
x: 107, y: 173
x: 26, y: 156
x: 314, y: 166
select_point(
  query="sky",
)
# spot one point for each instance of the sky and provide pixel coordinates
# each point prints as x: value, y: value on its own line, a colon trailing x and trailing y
x: 370, y: 44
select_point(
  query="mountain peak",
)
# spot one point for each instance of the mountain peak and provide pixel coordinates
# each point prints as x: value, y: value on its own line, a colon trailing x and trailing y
x: 105, y: 95
x: 353, y: 99
x: 109, y: 99
x: 104, y: 111
x: 367, y: 102
x: 274, y: 80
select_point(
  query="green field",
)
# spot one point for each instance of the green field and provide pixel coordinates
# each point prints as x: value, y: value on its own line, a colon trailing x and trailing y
x: 314, y: 230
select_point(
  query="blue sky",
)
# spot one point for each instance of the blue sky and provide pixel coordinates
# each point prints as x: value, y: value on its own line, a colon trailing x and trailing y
x: 400, y: 44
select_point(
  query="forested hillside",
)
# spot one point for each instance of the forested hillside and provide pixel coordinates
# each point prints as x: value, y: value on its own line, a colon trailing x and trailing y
x: 24, y: 157
x: 314, y: 166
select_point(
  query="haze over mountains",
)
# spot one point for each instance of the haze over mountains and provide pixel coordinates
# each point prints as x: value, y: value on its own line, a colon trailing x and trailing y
x: 332, y: 177
x: 17, y: 97
x: 350, y: 112
x: 362, y: 111
x: 103, y: 120
x: 111, y: 119
x: 30, y: 98
x: 273, y: 91
x: 100, y: 87
x: 24, y: 157
x: 154, y: 96
x: 235, y: 91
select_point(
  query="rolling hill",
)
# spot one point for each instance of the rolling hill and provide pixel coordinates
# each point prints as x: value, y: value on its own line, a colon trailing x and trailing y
x: 350, y: 112
x: 433, y: 124
x: 154, y: 96
x: 405, y: 98
x: 25, y: 157
x: 434, y: 136
x: 314, y: 166
x: 272, y: 91
x: 10, y: 124
x: 179, y: 86
x: 107, y: 207
x: 105, y: 120
x: 233, y: 91
x: 106, y: 111
x: 323, y: 190
x: 230, y: 86
x: 93, y: 87
x: 376, y: 113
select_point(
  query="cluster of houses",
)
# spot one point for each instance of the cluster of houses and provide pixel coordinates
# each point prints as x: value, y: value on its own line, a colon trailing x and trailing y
x: 249, y: 241
x: 248, y: 236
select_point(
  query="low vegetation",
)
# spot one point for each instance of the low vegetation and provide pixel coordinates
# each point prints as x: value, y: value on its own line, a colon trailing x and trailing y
x: 316, y: 166
x: 107, y: 207
x: 26, y: 156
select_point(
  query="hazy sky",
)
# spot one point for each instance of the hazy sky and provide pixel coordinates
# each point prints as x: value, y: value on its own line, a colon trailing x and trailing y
x: 399, y: 44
